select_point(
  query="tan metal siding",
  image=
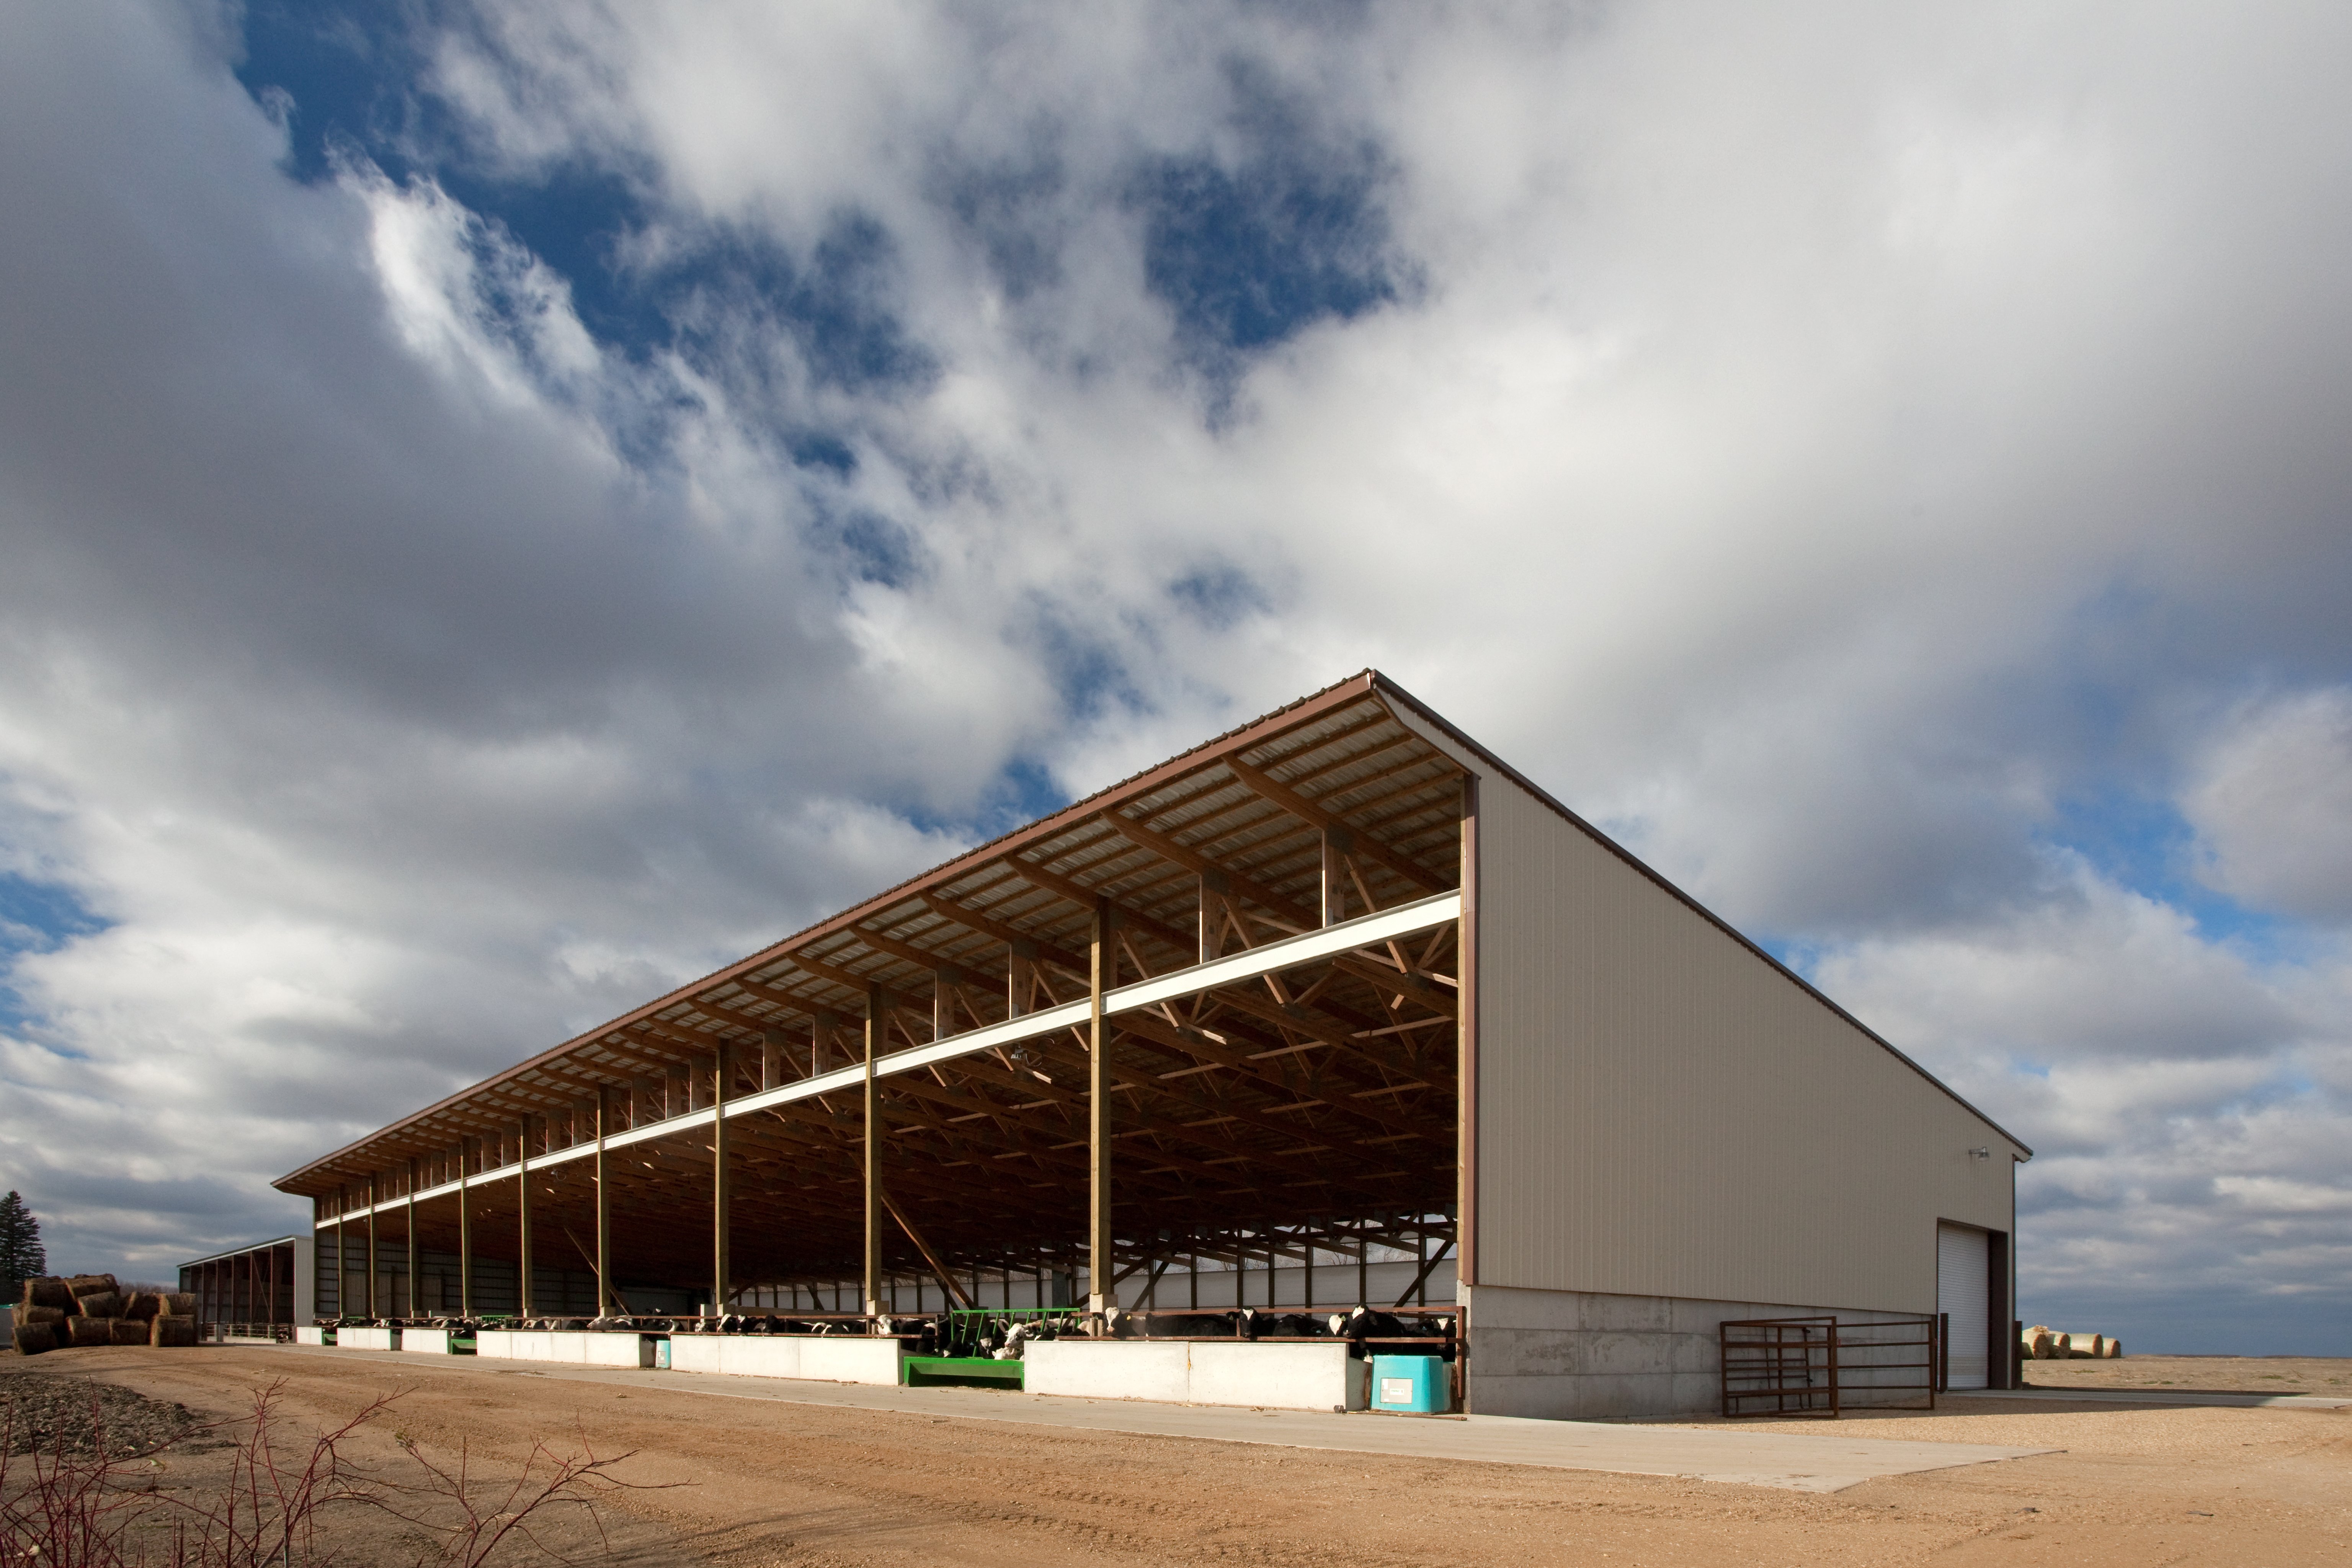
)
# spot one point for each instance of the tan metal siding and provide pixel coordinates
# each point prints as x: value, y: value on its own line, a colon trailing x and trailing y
x: 1663, y: 1112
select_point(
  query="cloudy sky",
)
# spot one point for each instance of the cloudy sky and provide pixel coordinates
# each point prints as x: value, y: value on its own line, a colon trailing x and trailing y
x: 505, y: 507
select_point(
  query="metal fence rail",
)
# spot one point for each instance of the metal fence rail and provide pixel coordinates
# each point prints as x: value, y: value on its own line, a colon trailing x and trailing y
x: 213, y: 1332
x: 1819, y: 1367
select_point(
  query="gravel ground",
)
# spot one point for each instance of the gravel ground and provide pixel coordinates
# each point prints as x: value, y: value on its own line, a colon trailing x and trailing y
x: 38, y: 1411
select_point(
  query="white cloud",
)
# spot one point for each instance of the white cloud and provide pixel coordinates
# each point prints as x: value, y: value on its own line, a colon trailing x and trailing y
x: 2271, y: 803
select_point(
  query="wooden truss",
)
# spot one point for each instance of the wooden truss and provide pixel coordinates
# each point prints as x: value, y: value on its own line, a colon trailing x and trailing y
x: 1212, y: 1011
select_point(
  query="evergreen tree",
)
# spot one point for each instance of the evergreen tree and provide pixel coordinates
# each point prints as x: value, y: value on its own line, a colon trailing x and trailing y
x: 21, y: 1254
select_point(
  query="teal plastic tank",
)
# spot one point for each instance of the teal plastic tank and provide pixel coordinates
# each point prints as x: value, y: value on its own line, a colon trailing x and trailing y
x: 1421, y: 1384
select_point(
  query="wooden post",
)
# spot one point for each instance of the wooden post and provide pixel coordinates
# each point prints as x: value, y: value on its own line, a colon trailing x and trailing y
x: 412, y: 1237
x: 522, y: 1219
x: 604, y: 1214
x: 1334, y: 875
x: 723, y: 1067
x: 872, y: 1273
x: 342, y: 1256
x: 372, y: 1248
x: 1101, y: 1296
x: 465, y: 1236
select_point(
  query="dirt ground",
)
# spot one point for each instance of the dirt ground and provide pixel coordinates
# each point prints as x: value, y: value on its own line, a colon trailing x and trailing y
x: 2235, y: 1375
x: 754, y: 1483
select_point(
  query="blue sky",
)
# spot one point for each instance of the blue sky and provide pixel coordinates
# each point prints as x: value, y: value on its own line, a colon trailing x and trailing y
x: 508, y: 507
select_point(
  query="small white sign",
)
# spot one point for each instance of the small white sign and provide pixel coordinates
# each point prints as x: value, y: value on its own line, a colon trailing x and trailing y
x: 1396, y: 1391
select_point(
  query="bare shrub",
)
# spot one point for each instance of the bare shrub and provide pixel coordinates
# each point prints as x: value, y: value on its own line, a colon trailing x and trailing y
x: 75, y: 1507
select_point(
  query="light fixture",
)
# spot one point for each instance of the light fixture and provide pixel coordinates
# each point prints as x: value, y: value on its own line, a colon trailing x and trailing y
x: 1981, y: 1152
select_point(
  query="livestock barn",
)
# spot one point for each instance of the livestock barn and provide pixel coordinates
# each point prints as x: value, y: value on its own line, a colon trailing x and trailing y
x: 1335, y: 1011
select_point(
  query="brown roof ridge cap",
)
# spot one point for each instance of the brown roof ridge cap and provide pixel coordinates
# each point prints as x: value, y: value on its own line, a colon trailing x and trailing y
x: 1390, y: 688
x: 1366, y: 680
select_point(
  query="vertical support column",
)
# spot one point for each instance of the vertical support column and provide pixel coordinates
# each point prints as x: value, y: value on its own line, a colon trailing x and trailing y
x: 722, y: 1068
x: 604, y: 1211
x: 1208, y: 920
x: 1017, y: 962
x: 412, y: 1238
x: 871, y: 1276
x: 1099, y: 961
x: 771, y: 1059
x: 523, y: 1220
x: 343, y: 1255
x: 464, y: 1232
x: 1334, y: 875
x: 372, y: 1249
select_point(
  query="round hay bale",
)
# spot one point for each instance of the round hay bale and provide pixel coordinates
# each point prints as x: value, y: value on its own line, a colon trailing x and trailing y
x: 2044, y: 1343
x: 172, y: 1331
x: 49, y: 1290
x: 98, y: 1304
x: 181, y: 1303
x: 93, y: 1284
x: 143, y: 1305
x: 44, y: 1315
x: 80, y: 1331
x: 34, y: 1339
x: 2115, y: 1351
x: 128, y: 1330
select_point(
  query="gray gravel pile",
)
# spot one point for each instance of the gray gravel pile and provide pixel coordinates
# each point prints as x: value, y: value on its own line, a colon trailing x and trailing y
x: 37, y: 1411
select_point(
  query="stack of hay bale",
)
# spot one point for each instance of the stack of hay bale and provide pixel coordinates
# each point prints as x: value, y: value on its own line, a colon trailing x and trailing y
x: 92, y: 1310
x: 2041, y: 1343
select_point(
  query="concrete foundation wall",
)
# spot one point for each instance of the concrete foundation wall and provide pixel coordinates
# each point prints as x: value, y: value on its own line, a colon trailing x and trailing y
x: 754, y: 1356
x: 306, y: 1335
x: 574, y: 1347
x: 425, y: 1341
x: 368, y: 1339
x: 848, y: 1359
x: 1283, y: 1376
x: 1581, y: 1354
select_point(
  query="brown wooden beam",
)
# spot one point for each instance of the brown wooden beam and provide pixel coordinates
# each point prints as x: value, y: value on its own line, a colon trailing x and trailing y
x: 1239, y: 884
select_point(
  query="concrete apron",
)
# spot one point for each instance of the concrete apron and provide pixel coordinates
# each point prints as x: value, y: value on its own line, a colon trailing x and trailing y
x: 1800, y: 1463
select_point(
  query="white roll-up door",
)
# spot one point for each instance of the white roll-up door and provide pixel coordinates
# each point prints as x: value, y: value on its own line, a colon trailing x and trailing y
x: 1963, y: 1286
